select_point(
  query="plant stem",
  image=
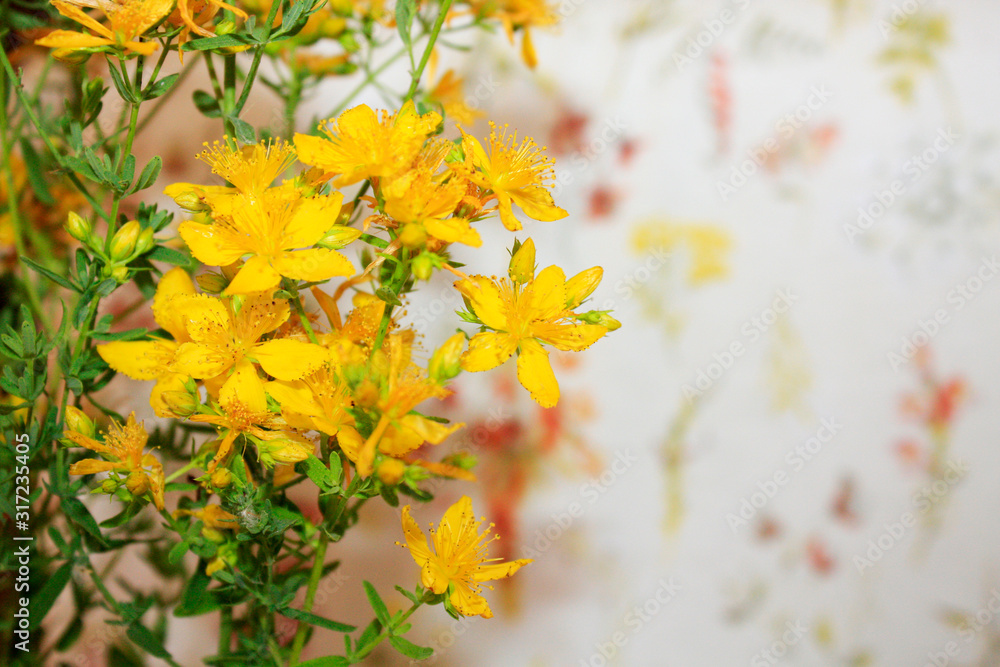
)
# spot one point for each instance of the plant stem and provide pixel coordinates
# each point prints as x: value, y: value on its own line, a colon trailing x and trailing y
x: 258, y: 54
x: 225, y: 630
x: 177, y: 473
x: 314, y: 576
x: 435, y: 31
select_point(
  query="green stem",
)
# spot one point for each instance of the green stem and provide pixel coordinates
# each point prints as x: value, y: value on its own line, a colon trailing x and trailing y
x: 314, y: 576
x: 29, y: 110
x: 177, y: 473
x: 162, y: 100
x: 435, y: 31
x: 225, y: 630
x: 387, y: 632
x: 258, y: 54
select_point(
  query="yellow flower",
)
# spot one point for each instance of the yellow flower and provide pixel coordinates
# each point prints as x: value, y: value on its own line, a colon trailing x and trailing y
x: 516, y: 174
x: 360, y: 145
x: 122, y: 447
x: 152, y: 359
x: 522, y: 315
x: 402, y: 387
x: 224, y: 339
x: 459, y: 561
x: 212, y: 516
x: 271, y: 230
x: 195, y: 13
x: 317, y: 402
x: 449, y: 94
x: 129, y: 19
x: 519, y: 14
x: 251, y: 169
x: 422, y: 196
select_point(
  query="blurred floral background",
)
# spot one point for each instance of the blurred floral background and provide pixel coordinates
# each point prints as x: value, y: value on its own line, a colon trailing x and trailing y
x: 787, y: 454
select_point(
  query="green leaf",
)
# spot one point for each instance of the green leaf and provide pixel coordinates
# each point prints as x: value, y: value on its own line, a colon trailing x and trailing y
x: 215, y: 42
x: 42, y: 601
x: 405, y: 11
x: 326, y: 661
x: 121, y: 85
x: 381, y: 611
x: 322, y: 476
x: 36, y: 176
x: 245, y: 133
x: 387, y: 295
x: 147, y: 641
x: 409, y: 649
x: 292, y: 16
x: 196, y: 599
x: 313, y: 619
x: 206, y: 104
x: 149, y: 174
x: 77, y: 512
x: 108, y: 336
x: 51, y: 275
x: 161, y: 86
x: 169, y: 255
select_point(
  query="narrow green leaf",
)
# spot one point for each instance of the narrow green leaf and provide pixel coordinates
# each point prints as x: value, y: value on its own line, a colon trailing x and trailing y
x: 109, y: 336
x: 42, y: 601
x: 149, y: 174
x: 409, y: 649
x: 405, y: 11
x: 51, y: 275
x: 169, y: 255
x: 215, y: 42
x: 36, y: 174
x: 313, y: 619
x: 77, y: 512
x: 146, y: 640
x: 206, y: 104
x: 321, y: 476
x: 381, y: 611
x: 196, y: 599
x: 244, y: 131
x: 161, y: 86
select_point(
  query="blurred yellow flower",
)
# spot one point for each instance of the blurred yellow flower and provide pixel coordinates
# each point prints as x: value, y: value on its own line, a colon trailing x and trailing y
x: 129, y: 19
x: 459, y: 561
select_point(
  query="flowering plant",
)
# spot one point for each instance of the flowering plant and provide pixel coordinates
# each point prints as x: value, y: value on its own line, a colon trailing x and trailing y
x: 282, y: 405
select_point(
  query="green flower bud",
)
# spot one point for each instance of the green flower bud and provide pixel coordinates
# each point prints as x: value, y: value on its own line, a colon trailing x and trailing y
x: 445, y: 362
x: 145, y: 242
x: 213, y: 283
x: 413, y: 236
x: 339, y: 237
x: 423, y: 266
x: 137, y: 483
x: 109, y: 486
x: 79, y: 422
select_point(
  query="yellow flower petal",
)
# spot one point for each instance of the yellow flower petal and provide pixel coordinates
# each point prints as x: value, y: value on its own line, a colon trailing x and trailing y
x: 484, y: 296
x: 415, y: 538
x: 167, y: 310
x: 568, y: 337
x: 488, y: 350
x: 245, y: 388
x: 547, y: 294
x: 257, y: 275
x: 140, y: 360
x: 287, y: 359
x: 499, y: 570
x: 311, y: 220
x: 534, y: 372
x: 469, y: 603
x: 92, y: 467
x: 200, y: 361
x: 537, y: 204
x: 68, y: 39
x: 313, y: 265
x: 210, y: 245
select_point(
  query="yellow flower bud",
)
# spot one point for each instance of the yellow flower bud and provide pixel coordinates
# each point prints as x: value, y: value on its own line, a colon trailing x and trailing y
x: 137, y: 483
x: 339, y: 237
x: 283, y: 451
x: 123, y: 243
x: 216, y: 564
x: 79, y: 422
x: 120, y: 273
x: 582, y: 285
x: 390, y: 471
x: 225, y: 27
x: 444, y: 363
x: 109, y: 486
x: 423, y: 266
x: 221, y: 478
x: 78, y: 227
x: 186, y: 196
x: 413, y: 236
x: 609, y: 322
x: 71, y: 56
x: 212, y: 535
x: 213, y: 283
x: 180, y: 403
x: 522, y: 263
x: 145, y: 242
x: 366, y: 394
